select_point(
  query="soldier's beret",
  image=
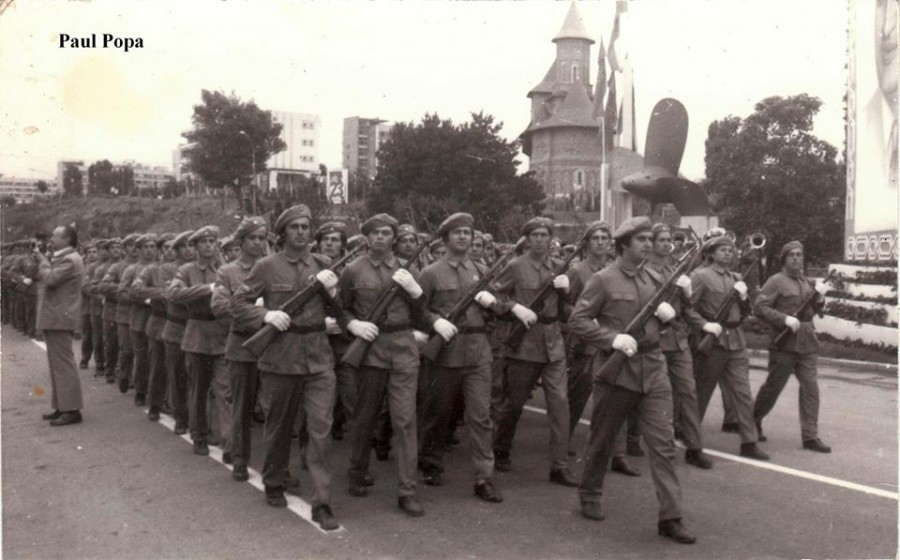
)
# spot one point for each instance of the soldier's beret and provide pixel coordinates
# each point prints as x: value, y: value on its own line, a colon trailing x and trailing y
x: 130, y: 238
x: 204, y: 232
x: 424, y: 237
x: 594, y: 227
x: 659, y: 228
x: 457, y: 220
x: 113, y: 241
x: 355, y: 240
x: 712, y: 243
x: 247, y: 226
x: 406, y: 229
x: 632, y: 226
x: 377, y: 221
x: 182, y: 238
x: 788, y: 247
x: 164, y: 238
x: 477, y: 233
x: 293, y: 213
x: 488, y: 238
x: 101, y: 244
x: 331, y: 227
x: 435, y: 245
x: 536, y: 223
x: 146, y: 238
x: 228, y: 241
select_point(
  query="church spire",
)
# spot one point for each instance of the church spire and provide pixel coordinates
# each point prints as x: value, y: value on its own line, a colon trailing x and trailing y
x: 573, y: 26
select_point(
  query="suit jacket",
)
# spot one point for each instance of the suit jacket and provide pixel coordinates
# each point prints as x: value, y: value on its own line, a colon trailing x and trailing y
x: 61, y: 280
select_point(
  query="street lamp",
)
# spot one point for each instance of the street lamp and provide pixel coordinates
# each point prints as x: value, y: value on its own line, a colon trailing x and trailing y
x: 255, y: 186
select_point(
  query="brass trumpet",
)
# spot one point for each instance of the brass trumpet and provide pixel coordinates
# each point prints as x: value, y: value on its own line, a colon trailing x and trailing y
x: 756, y: 240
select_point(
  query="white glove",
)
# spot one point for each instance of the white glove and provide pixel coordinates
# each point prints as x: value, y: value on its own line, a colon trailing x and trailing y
x: 445, y: 328
x: 260, y: 302
x: 714, y: 329
x: 27, y: 281
x: 420, y: 337
x: 485, y: 299
x: 684, y: 283
x: 561, y: 282
x: 327, y: 278
x: 626, y: 344
x: 522, y: 313
x: 147, y: 301
x: 331, y: 326
x: 822, y: 288
x: 792, y: 323
x: 363, y: 329
x: 741, y: 288
x: 212, y: 286
x: 407, y: 282
x: 278, y: 319
x: 665, y: 312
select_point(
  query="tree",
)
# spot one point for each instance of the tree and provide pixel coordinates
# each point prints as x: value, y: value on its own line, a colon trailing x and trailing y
x: 429, y: 170
x: 101, y: 178
x: 7, y: 200
x: 42, y: 186
x: 72, y: 180
x: 767, y: 173
x: 228, y: 138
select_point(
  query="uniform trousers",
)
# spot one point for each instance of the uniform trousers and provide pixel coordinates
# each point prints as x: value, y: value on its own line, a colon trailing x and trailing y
x: 578, y: 399
x: 474, y: 384
x: 97, y: 334
x: 521, y: 379
x: 781, y: 366
x: 681, y: 375
x: 87, y: 338
x: 110, y: 347
x: 176, y: 371
x: 729, y: 368
x: 612, y: 404
x: 30, y: 314
x: 371, y: 386
x: 126, y: 351
x: 284, y: 394
x: 64, y: 382
x: 244, y: 377
x: 207, y: 372
x: 156, y: 384
x: 141, y: 348
x: 345, y: 400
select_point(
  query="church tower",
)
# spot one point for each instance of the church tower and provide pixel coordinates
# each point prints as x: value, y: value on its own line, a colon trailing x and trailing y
x: 562, y: 140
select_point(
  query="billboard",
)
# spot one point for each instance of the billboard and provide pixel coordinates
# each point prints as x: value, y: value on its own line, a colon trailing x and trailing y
x: 338, y: 184
x: 872, y: 192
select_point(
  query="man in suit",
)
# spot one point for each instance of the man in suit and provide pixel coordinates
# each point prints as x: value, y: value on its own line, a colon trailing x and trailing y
x: 61, y: 277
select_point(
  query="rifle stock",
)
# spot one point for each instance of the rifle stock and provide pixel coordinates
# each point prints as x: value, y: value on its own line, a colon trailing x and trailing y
x: 785, y: 332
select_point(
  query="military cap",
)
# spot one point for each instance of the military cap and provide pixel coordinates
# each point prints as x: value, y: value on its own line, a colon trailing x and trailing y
x: 377, y: 221
x: 535, y: 223
x: 406, y: 229
x: 355, y: 240
x: 228, y: 241
x: 182, y: 238
x: 331, y: 227
x: 436, y: 244
x: 146, y: 238
x: 710, y: 244
x: 594, y: 227
x: 477, y: 233
x: 488, y: 238
x: 130, y: 238
x: 101, y: 244
x: 457, y: 220
x: 113, y: 241
x: 165, y: 237
x: 788, y: 247
x: 247, y: 226
x: 291, y: 214
x: 632, y: 226
x: 424, y: 237
x: 659, y: 228
x: 205, y: 231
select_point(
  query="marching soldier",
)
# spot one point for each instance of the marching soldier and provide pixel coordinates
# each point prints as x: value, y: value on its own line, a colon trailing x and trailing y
x: 726, y: 363
x: 610, y: 300
x: 106, y: 289
x: 140, y: 314
x: 250, y: 238
x: 777, y: 305
x: 204, y: 341
x: 541, y: 355
x: 94, y: 302
x: 123, y: 309
x: 297, y: 367
x: 173, y: 333
x: 391, y: 366
x: 463, y: 368
x: 91, y: 261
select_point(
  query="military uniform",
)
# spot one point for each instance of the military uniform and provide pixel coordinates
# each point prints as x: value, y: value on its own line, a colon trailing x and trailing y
x: 94, y: 303
x: 107, y: 288
x: 123, y: 312
x: 172, y: 334
x: 87, y: 331
x: 140, y: 315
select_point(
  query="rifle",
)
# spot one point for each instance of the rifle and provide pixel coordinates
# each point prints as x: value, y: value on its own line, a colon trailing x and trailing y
x: 610, y: 368
x: 804, y: 306
x: 436, y: 344
x: 358, y: 349
x: 518, y: 330
x: 264, y: 336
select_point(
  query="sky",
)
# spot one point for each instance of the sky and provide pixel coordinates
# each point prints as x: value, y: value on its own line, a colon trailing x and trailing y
x: 392, y: 60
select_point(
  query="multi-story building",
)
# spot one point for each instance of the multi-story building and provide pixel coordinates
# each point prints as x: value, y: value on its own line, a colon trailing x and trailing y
x: 148, y: 178
x: 24, y: 190
x: 61, y: 173
x: 362, y: 139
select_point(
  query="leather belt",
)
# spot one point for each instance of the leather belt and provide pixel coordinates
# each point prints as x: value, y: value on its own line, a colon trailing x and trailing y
x: 395, y: 328
x: 648, y: 347
x: 306, y: 329
x: 732, y: 324
x: 548, y: 320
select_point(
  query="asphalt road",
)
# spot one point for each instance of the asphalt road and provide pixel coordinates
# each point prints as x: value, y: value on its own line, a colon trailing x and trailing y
x: 118, y: 486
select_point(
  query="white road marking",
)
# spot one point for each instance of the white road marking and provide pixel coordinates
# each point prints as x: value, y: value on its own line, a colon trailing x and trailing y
x: 777, y: 468
x: 296, y: 504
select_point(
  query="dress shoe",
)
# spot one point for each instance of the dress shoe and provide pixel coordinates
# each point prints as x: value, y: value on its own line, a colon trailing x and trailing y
x: 123, y: 385
x: 563, y: 476
x: 153, y: 414
x: 502, y: 462
x: 621, y: 465
x: 358, y: 491
x: 140, y: 400
x: 697, y: 458
x: 110, y: 379
x: 432, y: 477
x: 731, y: 427
x: 816, y: 445
x: 322, y: 515
x: 679, y: 435
x: 275, y: 497
x: 633, y: 448
x: 673, y: 529
x: 99, y: 373
x: 382, y: 453
x: 368, y: 480
x: 752, y: 451
x: 201, y: 447
x: 760, y: 436
x: 52, y: 415
x: 66, y: 418
x: 411, y: 506
x: 486, y: 491
x: 259, y: 417
x: 180, y: 428
x: 82, y: 365
x: 592, y: 510
x: 239, y: 473
x: 226, y: 458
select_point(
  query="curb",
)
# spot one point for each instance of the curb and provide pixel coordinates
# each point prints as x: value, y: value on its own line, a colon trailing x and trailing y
x: 855, y: 366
